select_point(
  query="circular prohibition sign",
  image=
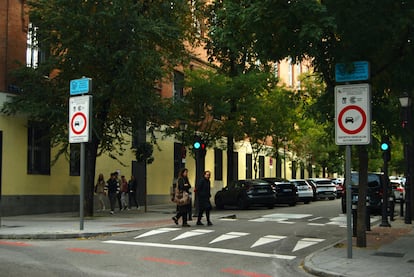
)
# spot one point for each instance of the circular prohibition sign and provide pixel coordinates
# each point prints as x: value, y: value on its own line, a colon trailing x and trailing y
x: 357, y: 130
x: 73, y: 119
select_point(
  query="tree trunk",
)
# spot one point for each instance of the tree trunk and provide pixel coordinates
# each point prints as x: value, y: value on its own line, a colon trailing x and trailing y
x: 362, y: 195
x: 91, y: 150
x: 230, y: 159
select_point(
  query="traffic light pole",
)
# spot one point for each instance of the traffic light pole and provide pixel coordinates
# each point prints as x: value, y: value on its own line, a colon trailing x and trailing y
x: 384, y: 218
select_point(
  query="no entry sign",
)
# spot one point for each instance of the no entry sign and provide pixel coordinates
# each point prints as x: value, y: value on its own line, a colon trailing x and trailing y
x: 79, y: 119
x: 352, y: 114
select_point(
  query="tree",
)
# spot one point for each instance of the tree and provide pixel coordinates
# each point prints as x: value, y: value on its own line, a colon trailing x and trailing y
x: 333, y: 31
x: 126, y: 47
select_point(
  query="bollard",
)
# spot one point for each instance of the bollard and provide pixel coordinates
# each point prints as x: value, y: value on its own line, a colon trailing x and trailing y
x: 402, y: 207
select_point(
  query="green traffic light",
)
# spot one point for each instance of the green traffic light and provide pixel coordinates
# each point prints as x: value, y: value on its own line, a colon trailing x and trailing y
x: 384, y: 146
x: 197, y: 145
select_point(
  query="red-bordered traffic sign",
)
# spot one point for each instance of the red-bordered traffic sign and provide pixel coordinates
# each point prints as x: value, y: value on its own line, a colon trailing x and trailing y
x: 341, y: 120
x: 78, y: 123
x: 353, y: 114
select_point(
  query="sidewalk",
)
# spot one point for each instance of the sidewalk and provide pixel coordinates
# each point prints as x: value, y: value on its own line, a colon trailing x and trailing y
x: 389, y: 251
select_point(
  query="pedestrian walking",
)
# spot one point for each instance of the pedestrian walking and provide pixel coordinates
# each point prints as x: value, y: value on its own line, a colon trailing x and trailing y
x: 181, y: 191
x: 112, y: 187
x: 132, y: 188
x: 124, y: 193
x: 203, y: 198
x: 100, y: 191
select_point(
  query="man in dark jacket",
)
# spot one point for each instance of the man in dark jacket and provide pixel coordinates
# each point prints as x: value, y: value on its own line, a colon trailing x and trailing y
x: 203, y: 198
x: 112, y: 186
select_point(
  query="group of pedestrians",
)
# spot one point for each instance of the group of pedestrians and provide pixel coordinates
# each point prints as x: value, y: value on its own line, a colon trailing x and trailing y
x: 182, y: 189
x: 118, y: 191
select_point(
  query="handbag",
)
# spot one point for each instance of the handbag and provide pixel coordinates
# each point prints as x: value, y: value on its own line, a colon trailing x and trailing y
x: 181, y: 198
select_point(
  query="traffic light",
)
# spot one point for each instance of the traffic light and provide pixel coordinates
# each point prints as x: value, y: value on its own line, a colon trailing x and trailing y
x: 199, y: 145
x: 386, y: 149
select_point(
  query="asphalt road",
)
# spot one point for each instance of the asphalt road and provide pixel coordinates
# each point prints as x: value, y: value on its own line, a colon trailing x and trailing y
x: 257, y: 242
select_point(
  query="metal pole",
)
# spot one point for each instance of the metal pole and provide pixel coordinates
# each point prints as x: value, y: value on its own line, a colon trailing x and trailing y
x: 82, y: 184
x: 407, y: 218
x: 384, y: 216
x: 348, y: 199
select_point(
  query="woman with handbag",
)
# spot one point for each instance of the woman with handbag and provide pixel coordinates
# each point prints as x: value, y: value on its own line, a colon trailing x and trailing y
x: 182, y: 197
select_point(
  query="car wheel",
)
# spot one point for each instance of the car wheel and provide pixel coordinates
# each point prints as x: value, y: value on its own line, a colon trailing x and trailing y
x: 242, y: 204
x: 219, y: 203
x: 306, y: 202
x: 270, y: 206
x: 291, y: 204
x: 331, y: 198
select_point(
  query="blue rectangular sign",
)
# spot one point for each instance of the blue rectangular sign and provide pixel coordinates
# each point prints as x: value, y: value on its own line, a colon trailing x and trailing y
x: 80, y: 86
x: 355, y: 71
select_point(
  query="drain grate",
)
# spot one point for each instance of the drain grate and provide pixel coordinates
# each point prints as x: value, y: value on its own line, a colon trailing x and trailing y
x: 389, y: 254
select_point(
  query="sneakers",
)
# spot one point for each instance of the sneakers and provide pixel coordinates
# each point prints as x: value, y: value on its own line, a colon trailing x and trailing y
x: 209, y: 223
x: 186, y: 225
x: 111, y: 212
x: 199, y: 223
x: 175, y: 219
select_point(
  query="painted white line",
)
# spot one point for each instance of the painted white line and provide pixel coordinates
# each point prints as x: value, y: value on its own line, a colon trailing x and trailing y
x: 231, y: 235
x: 316, y: 218
x: 192, y: 233
x: 205, y: 249
x: 266, y: 240
x: 306, y: 242
x: 287, y: 216
x: 316, y: 224
x: 228, y: 219
x: 156, y: 232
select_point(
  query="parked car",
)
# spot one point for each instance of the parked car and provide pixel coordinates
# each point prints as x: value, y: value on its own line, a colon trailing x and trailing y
x: 398, y: 190
x: 339, y: 183
x: 375, y: 187
x: 285, y: 192
x: 324, y: 188
x: 305, y: 190
x: 246, y: 193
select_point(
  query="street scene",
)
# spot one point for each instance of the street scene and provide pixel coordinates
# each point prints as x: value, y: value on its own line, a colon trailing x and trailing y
x: 249, y: 138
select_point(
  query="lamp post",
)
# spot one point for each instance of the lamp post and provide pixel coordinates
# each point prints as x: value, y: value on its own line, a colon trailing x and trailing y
x: 183, y: 127
x: 405, y: 102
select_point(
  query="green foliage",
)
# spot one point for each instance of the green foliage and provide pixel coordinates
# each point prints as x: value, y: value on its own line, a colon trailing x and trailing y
x: 126, y: 47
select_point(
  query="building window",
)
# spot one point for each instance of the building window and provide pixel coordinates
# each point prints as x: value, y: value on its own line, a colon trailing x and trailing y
x: 34, y: 55
x: 218, y: 164
x: 178, y: 85
x: 38, y: 156
x: 74, y: 164
x: 249, y: 166
x: 261, y: 166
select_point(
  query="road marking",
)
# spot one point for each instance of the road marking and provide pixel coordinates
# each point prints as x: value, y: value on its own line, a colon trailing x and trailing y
x: 205, y: 249
x: 316, y: 224
x: 243, y: 273
x: 231, y: 235
x: 164, y: 261
x: 14, y: 243
x: 88, y: 251
x: 278, y: 220
x: 192, y: 233
x: 266, y: 240
x: 315, y: 218
x: 306, y: 242
x: 156, y: 232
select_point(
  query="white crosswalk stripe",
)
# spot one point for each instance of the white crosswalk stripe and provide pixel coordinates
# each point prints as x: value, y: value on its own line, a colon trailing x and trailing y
x: 306, y: 242
x: 192, y: 233
x: 266, y: 240
x: 231, y: 235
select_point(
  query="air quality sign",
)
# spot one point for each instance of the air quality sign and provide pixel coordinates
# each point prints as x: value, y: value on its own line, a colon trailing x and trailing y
x: 352, y: 114
x: 79, y: 119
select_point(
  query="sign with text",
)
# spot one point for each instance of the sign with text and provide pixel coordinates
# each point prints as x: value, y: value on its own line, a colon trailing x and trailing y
x: 80, y: 119
x: 80, y: 86
x: 353, y: 114
x: 354, y: 71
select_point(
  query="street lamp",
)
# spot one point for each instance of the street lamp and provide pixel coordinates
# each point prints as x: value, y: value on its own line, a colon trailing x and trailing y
x: 183, y: 127
x: 405, y: 102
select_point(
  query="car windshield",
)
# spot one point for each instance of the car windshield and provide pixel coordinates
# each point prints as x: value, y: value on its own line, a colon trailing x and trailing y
x: 373, y: 179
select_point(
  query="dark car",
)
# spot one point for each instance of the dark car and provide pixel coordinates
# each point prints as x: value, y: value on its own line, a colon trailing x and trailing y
x: 285, y: 191
x: 375, y: 190
x: 246, y: 193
